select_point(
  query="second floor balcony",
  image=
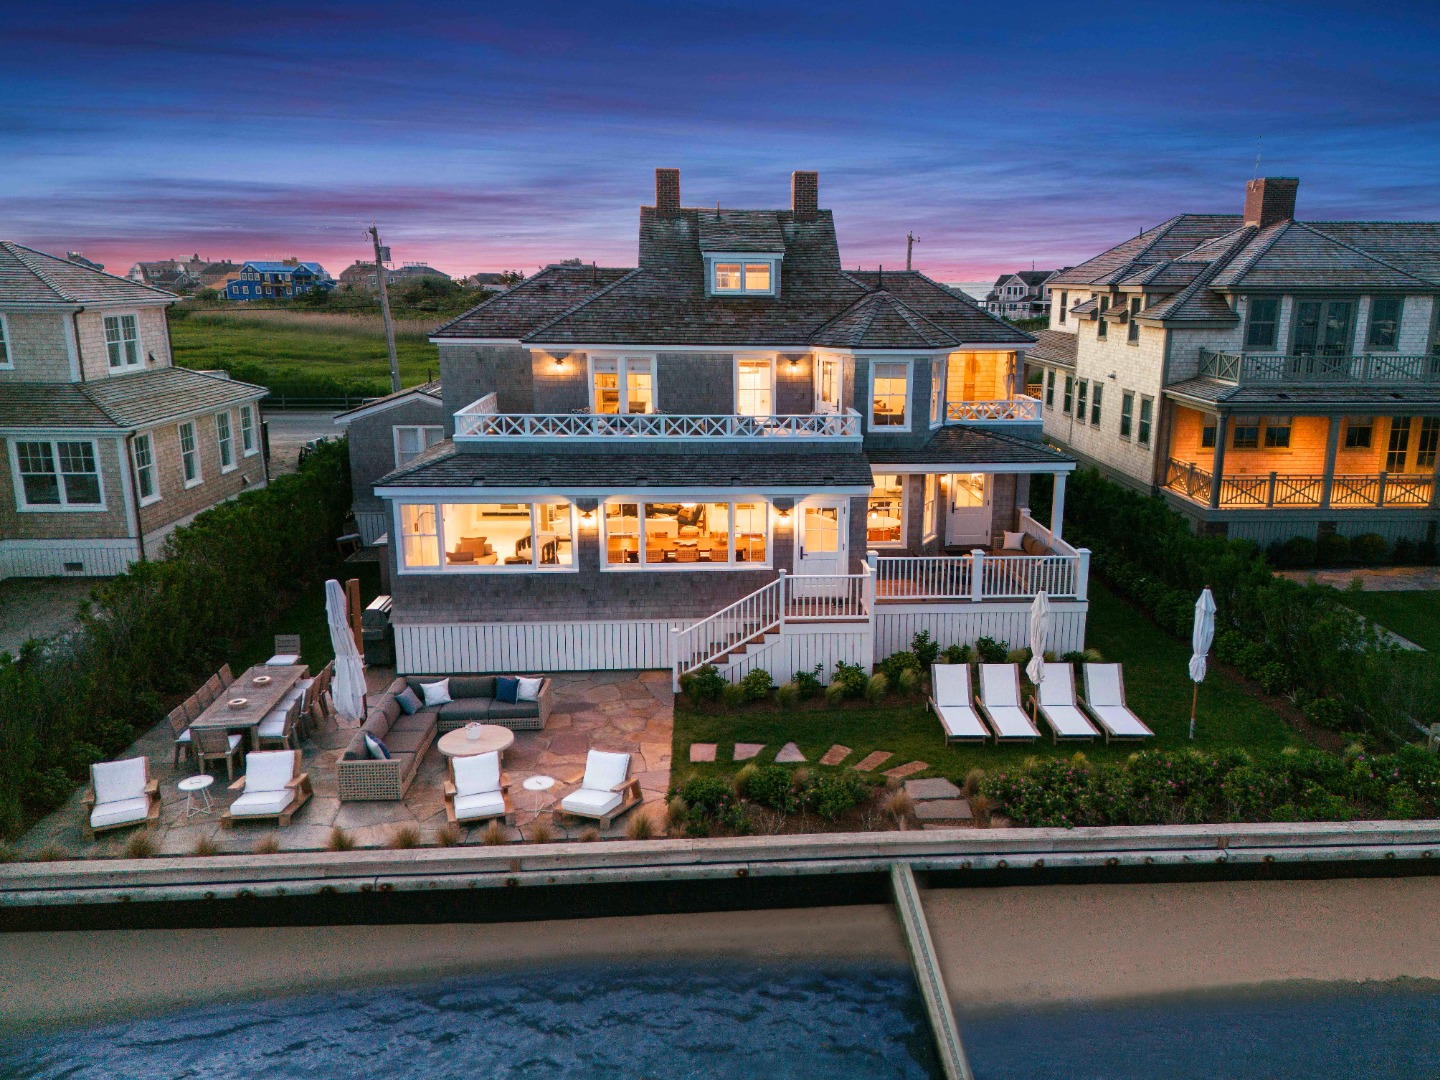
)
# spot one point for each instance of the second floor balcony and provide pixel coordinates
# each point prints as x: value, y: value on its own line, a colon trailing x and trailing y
x: 1275, y: 368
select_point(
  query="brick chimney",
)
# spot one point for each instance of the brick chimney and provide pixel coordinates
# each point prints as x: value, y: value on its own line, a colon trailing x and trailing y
x: 805, y: 195
x: 1270, y: 200
x: 667, y: 190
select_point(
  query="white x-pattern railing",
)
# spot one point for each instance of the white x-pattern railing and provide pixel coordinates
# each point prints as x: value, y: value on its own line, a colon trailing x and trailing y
x: 482, y: 425
x: 1009, y: 410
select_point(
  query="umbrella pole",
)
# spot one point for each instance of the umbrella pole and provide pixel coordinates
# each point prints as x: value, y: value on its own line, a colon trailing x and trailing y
x: 1194, y: 699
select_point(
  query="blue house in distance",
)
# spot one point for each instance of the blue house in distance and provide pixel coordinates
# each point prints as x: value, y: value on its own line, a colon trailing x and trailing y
x: 277, y: 280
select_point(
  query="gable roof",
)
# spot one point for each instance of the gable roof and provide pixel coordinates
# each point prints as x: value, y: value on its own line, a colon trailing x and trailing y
x: 427, y: 391
x: 123, y: 402
x: 28, y: 276
x: 1168, y: 240
x: 284, y: 268
x: 534, y: 301
x: 1055, y: 347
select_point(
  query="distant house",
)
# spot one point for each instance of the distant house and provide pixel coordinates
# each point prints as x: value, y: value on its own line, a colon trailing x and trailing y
x: 216, y: 275
x: 361, y: 275
x: 414, y: 271
x: 277, y: 280
x: 172, y: 275
x: 1021, y: 295
x: 493, y: 281
x: 80, y: 260
x: 108, y: 446
x: 358, y: 275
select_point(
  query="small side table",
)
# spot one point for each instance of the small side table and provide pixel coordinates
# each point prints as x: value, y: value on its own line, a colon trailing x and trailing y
x: 539, y: 785
x: 193, y: 786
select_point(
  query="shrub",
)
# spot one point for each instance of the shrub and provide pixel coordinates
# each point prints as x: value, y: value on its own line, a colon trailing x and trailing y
x: 835, y: 693
x: 756, y: 684
x: 741, y: 783
x: 974, y: 781
x: 877, y: 687
x: 541, y: 832
x: 640, y: 827
x: 774, y: 786
x: 1332, y: 549
x: 340, y: 840
x: 267, y: 845
x: 734, y: 695
x: 1369, y: 549
x: 899, y: 804
x: 809, y: 683
x: 494, y: 835
x: 705, y: 797
x: 896, y: 663
x: 989, y: 651
x: 204, y: 846
x: 705, y: 683
x: 956, y: 654
x: 589, y: 835
x: 1298, y: 552
x: 449, y: 834
x: 788, y: 696
x: 141, y: 845
x: 676, y: 812
x: 406, y: 836
x: 832, y: 794
x: 909, y: 682
x: 925, y: 648
x: 851, y: 679
x: 1326, y: 713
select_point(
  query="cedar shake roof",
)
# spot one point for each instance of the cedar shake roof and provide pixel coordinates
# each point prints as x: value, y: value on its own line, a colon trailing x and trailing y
x: 664, y: 301
x: 1298, y: 254
x: 445, y: 465
x: 959, y: 445
x: 1291, y: 398
x: 1168, y: 240
x: 28, y: 276
x: 431, y: 389
x: 1054, y: 347
x: 123, y: 402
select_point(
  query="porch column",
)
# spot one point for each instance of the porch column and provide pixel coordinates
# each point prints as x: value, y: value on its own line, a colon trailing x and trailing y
x: 1332, y: 445
x: 1057, y: 506
x: 1217, y: 463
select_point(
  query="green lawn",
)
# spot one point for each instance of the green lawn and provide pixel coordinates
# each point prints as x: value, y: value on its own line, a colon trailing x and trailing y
x: 1413, y: 615
x: 1156, y: 683
x: 306, y: 617
x: 281, y: 357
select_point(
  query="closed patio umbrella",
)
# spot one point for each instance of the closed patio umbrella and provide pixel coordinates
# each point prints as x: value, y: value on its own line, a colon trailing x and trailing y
x: 1039, y: 629
x: 347, y: 688
x: 1200, y: 638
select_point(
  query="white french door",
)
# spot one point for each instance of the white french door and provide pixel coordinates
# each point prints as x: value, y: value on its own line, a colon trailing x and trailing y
x: 827, y: 384
x: 822, y: 543
x: 970, y: 510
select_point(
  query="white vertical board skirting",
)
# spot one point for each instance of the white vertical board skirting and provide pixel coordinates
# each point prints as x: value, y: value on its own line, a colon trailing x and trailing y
x: 422, y: 649
x: 47, y: 558
x: 897, y: 624
x: 804, y: 646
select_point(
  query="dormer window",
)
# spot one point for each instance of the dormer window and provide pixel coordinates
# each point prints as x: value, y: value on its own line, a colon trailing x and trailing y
x: 743, y: 275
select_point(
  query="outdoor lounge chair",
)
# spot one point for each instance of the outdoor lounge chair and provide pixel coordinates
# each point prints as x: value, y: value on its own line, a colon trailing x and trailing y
x: 606, y: 791
x: 180, y: 725
x: 478, y: 790
x: 952, y: 702
x: 287, y: 651
x: 273, y: 787
x: 1105, y: 701
x: 121, y: 794
x: 1055, y: 701
x: 215, y: 744
x: 1000, y: 703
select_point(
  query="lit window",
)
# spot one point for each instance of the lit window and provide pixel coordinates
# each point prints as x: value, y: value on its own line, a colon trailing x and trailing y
x: 420, y: 535
x: 932, y: 506
x: 413, y: 440
x: 755, y: 388
x: 727, y: 277
x: 741, y: 278
x: 222, y: 441
x: 937, y: 386
x: 757, y: 277
x: 889, y: 394
x: 885, y: 514
x: 56, y: 473
x: 122, y: 340
x: 686, y: 535
x: 624, y: 385
x: 189, y: 458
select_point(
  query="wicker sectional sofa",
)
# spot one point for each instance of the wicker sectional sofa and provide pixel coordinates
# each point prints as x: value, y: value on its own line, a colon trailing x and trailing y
x: 408, y: 737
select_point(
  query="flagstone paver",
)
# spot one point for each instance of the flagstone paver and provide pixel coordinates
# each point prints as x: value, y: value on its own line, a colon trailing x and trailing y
x: 702, y: 751
x: 744, y: 751
x: 789, y: 753
x: 943, y: 810
x: 902, y: 771
x: 875, y: 760
x: 835, y: 755
x: 932, y: 787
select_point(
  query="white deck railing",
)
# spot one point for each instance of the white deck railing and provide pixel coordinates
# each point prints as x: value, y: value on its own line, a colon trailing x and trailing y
x: 474, y: 423
x: 1008, y: 411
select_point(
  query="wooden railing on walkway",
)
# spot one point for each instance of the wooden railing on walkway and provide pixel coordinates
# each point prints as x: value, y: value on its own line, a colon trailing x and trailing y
x: 1302, y: 489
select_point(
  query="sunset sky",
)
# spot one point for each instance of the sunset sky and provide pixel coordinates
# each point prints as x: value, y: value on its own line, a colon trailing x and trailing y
x: 487, y: 137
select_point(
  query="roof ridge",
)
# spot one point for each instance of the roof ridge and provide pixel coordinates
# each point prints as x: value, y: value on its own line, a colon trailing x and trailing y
x: 88, y: 269
x: 1207, y: 275
x: 908, y: 314
x: 15, y: 249
x: 1359, y: 251
x: 576, y: 307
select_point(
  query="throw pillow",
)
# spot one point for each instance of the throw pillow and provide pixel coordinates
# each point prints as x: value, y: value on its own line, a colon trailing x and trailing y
x: 407, y: 700
x: 377, y: 748
x: 506, y: 688
x: 529, y: 689
x: 436, y: 693
x: 1014, y: 540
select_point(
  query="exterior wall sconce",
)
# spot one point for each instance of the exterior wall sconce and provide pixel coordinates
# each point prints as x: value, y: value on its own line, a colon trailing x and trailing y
x: 784, y: 513
x: 559, y: 363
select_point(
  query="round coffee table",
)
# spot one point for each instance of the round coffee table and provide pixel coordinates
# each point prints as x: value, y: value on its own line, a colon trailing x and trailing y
x: 197, y: 785
x: 492, y: 737
x: 539, y: 785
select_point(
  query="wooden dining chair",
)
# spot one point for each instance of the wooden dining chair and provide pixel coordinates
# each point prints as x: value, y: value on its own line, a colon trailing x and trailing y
x: 193, y: 706
x: 211, y: 690
x: 226, y: 677
x: 180, y: 726
x: 214, y: 744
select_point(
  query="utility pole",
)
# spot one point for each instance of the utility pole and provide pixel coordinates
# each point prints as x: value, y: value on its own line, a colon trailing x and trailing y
x: 382, y: 254
x: 910, y: 242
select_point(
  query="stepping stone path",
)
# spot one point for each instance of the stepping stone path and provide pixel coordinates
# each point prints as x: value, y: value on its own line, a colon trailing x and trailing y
x: 933, y: 787
x: 943, y: 810
x: 835, y: 755
x: 875, y: 760
x: 936, y: 800
x: 789, y: 753
x: 902, y: 771
x: 744, y: 751
x: 702, y: 751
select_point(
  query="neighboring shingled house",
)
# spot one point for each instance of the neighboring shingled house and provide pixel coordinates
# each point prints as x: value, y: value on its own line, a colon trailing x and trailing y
x: 1021, y: 295
x: 108, y: 446
x: 1273, y: 378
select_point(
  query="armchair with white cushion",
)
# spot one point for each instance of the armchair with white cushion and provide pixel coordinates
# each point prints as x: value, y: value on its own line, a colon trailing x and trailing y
x: 273, y: 787
x: 478, y: 790
x: 607, y: 789
x: 121, y: 794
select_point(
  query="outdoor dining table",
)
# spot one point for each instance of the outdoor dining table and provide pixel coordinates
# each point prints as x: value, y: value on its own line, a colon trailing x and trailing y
x: 259, y: 700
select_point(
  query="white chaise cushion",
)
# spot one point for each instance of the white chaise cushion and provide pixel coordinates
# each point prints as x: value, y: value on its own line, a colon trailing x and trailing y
x: 273, y: 726
x: 1011, y: 722
x: 1102, y: 684
x: 604, y: 770
x: 998, y: 685
x: 120, y: 812
x: 591, y: 803
x: 477, y: 774
x: 951, y: 684
x: 116, y: 781
x: 261, y: 803
x: 481, y: 804
x: 283, y: 660
x: 1057, y: 685
x: 1121, y: 722
x: 268, y: 770
x: 960, y: 722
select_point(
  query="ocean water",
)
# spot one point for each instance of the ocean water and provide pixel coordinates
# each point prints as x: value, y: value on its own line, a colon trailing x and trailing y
x: 1377, y: 1032
x: 725, y: 1021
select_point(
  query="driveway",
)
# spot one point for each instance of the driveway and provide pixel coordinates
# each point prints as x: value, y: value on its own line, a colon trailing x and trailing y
x: 292, y: 429
x: 39, y: 608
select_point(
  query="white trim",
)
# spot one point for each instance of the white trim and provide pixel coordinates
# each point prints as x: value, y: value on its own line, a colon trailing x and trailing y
x: 731, y: 563
x: 149, y: 437
x: 729, y: 347
x: 250, y: 410
x: 7, y: 344
x: 228, y: 441
x: 395, y: 430
x: 442, y: 567
x: 929, y: 508
x: 124, y: 365
x: 127, y: 489
x: 869, y: 414
x: 939, y: 372
x: 753, y: 258
x: 470, y: 493
x: 973, y: 467
x: 23, y: 506
x: 767, y: 359
x: 72, y: 343
x: 195, y: 450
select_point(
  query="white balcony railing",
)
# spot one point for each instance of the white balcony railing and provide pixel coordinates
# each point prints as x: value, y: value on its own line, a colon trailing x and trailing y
x: 472, y: 423
x: 1008, y: 411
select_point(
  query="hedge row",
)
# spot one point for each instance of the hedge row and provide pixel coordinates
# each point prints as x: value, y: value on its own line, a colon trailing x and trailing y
x: 150, y: 636
x: 1297, y: 640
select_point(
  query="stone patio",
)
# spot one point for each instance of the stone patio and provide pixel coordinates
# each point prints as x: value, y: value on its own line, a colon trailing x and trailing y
x: 610, y: 710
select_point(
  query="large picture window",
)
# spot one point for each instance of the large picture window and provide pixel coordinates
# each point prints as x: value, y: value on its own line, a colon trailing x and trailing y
x: 58, y: 474
x: 890, y: 388
x: 487, y: 536
x: 122, y: 340
x: 885, y: 514
x: 686, y: 534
